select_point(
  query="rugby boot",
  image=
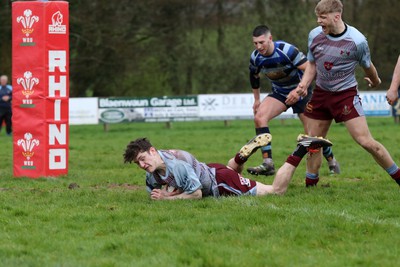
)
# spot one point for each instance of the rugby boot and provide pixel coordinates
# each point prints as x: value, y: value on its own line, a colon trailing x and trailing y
x: 312, y: 142
x: 263, y: 169
x: 258, y: 141
x: 334, y: 167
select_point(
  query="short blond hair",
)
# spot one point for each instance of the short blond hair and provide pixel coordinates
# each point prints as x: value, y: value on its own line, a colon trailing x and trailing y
x: 329, y: 6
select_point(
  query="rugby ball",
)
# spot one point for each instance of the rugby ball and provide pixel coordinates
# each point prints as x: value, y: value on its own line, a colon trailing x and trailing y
x: 170, y: 189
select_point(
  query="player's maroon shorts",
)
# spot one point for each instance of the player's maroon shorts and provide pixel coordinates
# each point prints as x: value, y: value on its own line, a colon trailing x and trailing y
x: 231, y: 183
x: 340, y: 106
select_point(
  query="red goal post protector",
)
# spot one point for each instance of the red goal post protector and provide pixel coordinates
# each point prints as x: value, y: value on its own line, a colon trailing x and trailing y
x: 40, y: 79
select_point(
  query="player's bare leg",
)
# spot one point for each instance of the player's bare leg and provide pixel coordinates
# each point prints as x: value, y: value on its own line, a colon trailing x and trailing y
x: 285, y: 173
x: 333, y: 164
x: 282, y: 178
x: 268, y: 109
x: 358, y: 129
x: 264, y: 189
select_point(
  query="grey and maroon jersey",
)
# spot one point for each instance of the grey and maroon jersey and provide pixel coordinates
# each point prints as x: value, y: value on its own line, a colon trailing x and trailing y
x: 185, y: 172
x: 337, y: 57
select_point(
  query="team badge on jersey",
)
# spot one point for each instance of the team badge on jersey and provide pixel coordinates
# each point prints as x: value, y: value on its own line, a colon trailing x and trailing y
x: 328, y: 65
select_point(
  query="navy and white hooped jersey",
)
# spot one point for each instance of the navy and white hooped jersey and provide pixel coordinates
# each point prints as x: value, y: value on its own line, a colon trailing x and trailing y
x: 337, y: 57
x: 280, y: 67
x: 185, y: 172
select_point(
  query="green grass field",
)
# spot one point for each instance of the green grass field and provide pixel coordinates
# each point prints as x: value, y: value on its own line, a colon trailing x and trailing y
x: 351, y: 219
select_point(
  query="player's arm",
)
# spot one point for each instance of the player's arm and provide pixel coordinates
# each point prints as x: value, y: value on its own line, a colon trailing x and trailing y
x: 257, y: 101
x: 303, y: 66
x: 302, y: 87
x: 254, y: 78
x: 293, y: 96
x: 159, y: 194
x: 371, y: 76
x: 189, y: 186
x: 308, y: 77
x: 392, y: 94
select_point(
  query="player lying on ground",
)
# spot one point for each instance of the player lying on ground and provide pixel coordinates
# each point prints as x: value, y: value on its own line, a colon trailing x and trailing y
x: 177, y: 174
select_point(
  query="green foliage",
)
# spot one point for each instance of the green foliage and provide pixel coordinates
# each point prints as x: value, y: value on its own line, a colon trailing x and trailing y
x: 179, y: 47
x: 5, y: 37
x: 350, y: 219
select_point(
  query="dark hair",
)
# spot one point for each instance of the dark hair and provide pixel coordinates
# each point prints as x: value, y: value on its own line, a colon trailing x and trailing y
x: 136, y: 147
x: 261, y: 30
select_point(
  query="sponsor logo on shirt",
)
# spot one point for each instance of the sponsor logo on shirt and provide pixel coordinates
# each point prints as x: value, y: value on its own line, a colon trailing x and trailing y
x: 345, y: 53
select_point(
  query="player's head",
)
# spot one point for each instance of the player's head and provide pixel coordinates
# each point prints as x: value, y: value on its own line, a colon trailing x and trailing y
x: 143, y: 154
x: 261, y: 30
x: 262, y: 40
x: 329, y: 6
x: 329, y: 15
x: 135, y: 147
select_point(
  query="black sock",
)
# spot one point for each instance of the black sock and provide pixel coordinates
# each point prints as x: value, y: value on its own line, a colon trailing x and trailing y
x: 300, y: 151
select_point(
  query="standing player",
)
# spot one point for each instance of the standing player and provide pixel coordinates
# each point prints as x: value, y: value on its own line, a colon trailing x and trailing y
x: 283, y: 64
x: 334, y: 51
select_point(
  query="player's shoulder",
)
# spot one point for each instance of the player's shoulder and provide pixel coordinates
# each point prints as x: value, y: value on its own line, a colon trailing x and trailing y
x: 254, y: 54
x: 357, y: 36
x: 256, y: 58
x: 177, y: 154
x: 285, y: 46
x: 281, y: 43
x: 167, y: 154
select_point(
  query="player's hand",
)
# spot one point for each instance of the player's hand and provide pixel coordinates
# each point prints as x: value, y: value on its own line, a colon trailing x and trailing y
x: 5, y: 98
x: 292, y: 98
x: 301, y: 90
x: 371, y: 84
x: 391, y: 97
x: 256, y: 105
x: 157, y: 194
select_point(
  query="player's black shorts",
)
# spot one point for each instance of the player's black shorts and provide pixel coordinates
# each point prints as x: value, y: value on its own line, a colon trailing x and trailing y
x: 299, y: 106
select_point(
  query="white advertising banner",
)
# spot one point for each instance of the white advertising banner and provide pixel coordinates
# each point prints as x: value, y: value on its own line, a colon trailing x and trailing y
x: 92, y: 110
x: 165, y: 108
x: 231, y: 106
x: 375, y: 103
x: 83, y: 111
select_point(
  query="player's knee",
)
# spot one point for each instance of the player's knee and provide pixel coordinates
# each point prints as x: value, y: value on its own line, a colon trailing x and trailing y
x: 260, y: 119
x: 368, y: 144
